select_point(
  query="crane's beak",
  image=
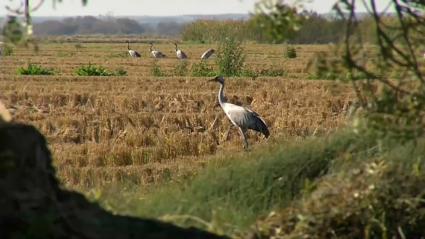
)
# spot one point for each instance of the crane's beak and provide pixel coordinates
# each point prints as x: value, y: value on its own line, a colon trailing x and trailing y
x: 213, y: 80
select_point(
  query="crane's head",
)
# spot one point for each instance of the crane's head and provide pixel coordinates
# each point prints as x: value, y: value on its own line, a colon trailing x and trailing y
x: 218, y: 79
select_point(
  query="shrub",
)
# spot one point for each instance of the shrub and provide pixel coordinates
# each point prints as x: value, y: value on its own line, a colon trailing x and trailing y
x: 92, y: 70
x: 181, y: 69
x: 230, y: 57
x: 202, y: 69
x: 7, y: 50
x: 156, y: 69
x: 290, y: 52
x: 33, y: 69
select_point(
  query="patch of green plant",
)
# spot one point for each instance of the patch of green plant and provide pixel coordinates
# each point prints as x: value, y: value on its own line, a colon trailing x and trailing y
x: 156, y: 69
x: 230, y: 57
x: 325, y: 67
x: 33, y: 69
x: 93, y: 70
x: 378, y: 196
x: 202, y: 69
x: 6, y: 50
x: 121, y: 72
x: 229, y: 197
x: 181, y: 69
x: 290, y: 52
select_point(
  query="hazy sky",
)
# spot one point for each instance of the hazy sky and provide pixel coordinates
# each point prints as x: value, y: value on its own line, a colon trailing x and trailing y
x: 156, y: 7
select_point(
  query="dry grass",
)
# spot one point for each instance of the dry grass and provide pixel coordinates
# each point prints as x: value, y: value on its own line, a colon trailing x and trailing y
x: 148, y: 129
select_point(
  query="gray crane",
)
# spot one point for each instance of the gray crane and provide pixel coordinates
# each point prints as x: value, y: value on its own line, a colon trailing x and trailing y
x: 241, y: 117
x: 179, y: 53
x: 132, y: 53
x: 155, y: 53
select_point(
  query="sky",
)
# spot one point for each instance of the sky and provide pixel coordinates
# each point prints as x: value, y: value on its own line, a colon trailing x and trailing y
x: 155, y: 7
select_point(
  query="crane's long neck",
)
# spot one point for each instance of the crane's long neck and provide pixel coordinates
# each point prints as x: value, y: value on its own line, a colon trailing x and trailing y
x: 128, y: 45
x: 221, y: 99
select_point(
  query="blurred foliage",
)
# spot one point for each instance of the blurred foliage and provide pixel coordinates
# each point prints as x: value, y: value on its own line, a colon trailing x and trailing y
x: 278, y: 20
x: 202, y: 69
x: 230, y: 56
x: 290, y: 52
x: 181, y: 68
x: 6, y: 50
x: 19, y: 31
x: 377, y: 196
x: 395, y: 106
x: 156, y: 69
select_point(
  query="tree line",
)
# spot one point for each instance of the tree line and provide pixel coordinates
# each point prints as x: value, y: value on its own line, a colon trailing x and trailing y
x: 314, y: 29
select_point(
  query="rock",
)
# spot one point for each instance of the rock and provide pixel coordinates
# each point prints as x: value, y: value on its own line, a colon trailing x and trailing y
x: 34, y: 206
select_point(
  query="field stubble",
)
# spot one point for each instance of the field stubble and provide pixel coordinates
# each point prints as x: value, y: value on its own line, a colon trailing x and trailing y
x: 148, y: 129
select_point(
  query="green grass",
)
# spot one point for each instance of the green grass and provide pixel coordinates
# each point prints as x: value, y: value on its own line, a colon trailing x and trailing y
x: 302, y: 182
x: 93, y: 70
x: 33, y: 69
x: 230, y: 197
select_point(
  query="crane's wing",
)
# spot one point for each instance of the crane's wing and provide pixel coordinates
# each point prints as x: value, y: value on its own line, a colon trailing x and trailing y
x: 137, y: 54
x: 246, y: 118
x: 257, y: 123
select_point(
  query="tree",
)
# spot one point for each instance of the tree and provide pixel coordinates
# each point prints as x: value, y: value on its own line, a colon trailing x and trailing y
x: 16, y: 32
x: 397, y: 108
x: 278, y: 20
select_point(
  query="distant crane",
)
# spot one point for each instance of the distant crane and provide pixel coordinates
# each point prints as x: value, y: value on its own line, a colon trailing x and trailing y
x: 155, y: 53
x: 207, y: 54
x: 180, y: 54
x: 241, y: 117
x: 132, y: 53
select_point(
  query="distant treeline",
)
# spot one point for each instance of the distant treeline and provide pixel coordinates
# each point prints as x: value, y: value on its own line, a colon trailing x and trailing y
x: 315, y: 29
x: 108, y: 25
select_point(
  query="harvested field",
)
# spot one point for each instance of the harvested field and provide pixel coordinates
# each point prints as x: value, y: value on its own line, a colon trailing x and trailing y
x: 147, y: 129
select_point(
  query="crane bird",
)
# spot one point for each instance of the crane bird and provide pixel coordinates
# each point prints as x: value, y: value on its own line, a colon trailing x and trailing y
x: 241, y: 117
x: 180, y: 54
x: 207, y: 54
x: 132, y: 53
x: 155, y: 53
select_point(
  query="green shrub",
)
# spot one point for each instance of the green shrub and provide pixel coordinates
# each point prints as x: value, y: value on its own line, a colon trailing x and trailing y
x: 230, y: 57
x: 202, y: 69
x: 290, y: 52
x: 92, y: 70
x: 230, y: 197
x: 33, y: 69
x: 156, y: 69
x: 6, y: 50
x: 181, y: 69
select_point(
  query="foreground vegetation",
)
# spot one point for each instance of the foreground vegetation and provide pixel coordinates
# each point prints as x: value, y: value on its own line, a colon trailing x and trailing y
x: 324, y: 187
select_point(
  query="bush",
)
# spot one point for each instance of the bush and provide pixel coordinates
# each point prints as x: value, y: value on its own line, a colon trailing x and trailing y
x: 230, y: 57
x: 92, y: 70
x: 290, y: 52
x: 156, y: 69
x: 181, y: 69
x: 202, y: 69
x: 33, y: 69
x: 6, y: 50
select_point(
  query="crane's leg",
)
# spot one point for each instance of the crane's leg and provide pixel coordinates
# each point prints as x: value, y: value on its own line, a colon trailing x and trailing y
x: 245, y: 141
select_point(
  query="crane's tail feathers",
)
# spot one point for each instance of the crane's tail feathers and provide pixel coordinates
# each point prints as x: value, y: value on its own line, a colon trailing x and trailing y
x: 262, y: 127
